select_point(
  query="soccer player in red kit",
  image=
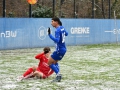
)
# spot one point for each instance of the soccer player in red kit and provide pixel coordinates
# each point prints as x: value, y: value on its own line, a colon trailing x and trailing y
x: 43, y: 70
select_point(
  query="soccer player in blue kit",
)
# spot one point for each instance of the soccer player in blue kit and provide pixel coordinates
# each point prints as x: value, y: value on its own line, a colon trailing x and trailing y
x: 60, y: 46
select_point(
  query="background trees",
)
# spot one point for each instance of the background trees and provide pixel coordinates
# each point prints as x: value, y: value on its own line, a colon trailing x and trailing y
x: 63, y: 8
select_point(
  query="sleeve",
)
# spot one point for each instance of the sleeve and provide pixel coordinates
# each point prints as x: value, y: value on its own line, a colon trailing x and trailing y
x: 66, y: 33
x: 56, y: 38
x: 39, y: 56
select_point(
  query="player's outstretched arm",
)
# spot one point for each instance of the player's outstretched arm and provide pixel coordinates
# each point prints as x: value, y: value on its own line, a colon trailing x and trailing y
x: 53, y: 38
x: 38, y: 56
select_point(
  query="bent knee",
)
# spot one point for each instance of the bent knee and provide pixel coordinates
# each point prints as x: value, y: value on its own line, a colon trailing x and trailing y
x: 52, y: 61
x: 34, y: 68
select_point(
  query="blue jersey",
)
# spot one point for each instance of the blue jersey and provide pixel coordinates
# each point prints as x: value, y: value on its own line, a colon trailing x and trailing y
x: 59, y: 39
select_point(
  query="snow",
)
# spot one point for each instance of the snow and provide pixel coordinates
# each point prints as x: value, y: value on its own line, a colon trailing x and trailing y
x: 82, y: 68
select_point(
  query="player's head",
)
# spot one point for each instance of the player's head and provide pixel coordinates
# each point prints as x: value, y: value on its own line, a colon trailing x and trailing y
x: 56, y: 22
x: 46, y: 50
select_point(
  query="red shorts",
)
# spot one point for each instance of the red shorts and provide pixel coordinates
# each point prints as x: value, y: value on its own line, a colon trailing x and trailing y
x: 43, y: 75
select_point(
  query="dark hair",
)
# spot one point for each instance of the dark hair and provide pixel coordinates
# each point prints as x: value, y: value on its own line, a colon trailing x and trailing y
x: 46, y: 50
x: 60, y: 23
x: 58, y: 20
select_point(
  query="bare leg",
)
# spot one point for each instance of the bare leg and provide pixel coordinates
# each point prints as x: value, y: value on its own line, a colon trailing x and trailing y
x: 52, y: 61
x: 38, y: 74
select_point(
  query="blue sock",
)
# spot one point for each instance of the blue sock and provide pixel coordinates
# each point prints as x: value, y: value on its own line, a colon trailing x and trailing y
x: 57, y: 66
x: 54, y: 68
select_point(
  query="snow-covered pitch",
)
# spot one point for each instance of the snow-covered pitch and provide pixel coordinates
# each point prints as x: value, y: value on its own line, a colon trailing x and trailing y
x: 89, y: 67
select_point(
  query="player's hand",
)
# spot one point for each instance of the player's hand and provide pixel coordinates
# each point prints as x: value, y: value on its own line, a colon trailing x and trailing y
x: 49, y: 31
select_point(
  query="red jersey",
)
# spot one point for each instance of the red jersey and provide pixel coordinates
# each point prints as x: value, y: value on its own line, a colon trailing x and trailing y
x: 43, y: 66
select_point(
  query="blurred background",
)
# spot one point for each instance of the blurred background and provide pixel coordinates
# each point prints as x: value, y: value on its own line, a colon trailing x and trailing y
x: 61, y: 8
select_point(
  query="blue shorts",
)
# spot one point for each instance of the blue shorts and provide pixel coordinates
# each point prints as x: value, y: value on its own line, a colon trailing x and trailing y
x: 57, y: 56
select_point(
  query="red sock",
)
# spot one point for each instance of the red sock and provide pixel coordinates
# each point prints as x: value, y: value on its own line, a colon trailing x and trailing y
x: 30, y: 70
